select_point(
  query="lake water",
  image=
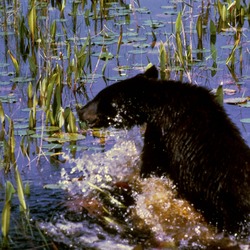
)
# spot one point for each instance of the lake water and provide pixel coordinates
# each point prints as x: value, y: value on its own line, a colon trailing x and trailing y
x: 85, y: 192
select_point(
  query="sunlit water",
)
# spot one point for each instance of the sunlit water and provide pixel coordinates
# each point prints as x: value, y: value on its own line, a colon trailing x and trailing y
x: 97, y: 216
x: 80, y: 212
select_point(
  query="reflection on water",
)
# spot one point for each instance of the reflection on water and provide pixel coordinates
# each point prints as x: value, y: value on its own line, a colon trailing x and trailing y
x: 109, y: 206
x: 152, y: 215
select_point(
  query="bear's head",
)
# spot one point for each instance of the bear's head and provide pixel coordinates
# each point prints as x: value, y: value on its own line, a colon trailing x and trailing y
x: 119, y: 104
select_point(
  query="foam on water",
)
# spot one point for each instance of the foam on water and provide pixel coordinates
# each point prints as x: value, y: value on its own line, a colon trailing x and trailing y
x: 157, y: 210
x: 120, y: 163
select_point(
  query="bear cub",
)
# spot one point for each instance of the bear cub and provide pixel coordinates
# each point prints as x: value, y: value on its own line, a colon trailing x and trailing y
x: 188, y: 138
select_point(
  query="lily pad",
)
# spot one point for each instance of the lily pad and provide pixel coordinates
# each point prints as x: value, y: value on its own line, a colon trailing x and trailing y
x: 143, y: 10
x: 53, y: 186
x: 245, y: 105
x: 154, y: 24
x: 137, y: 51
x: 245, y: 120
x: 77, y: 148
x: 48, y: 128
x: 4, y: 64
x: 65, y: 137
x: 4, y: 83
x: 21, y: 79
x: 23, y: 132
x: 8, y: 99
x: 236, y: 100
x: 52, y: 146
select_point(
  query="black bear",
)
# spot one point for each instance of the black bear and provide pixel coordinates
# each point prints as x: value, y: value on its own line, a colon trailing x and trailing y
x: 188, y: 138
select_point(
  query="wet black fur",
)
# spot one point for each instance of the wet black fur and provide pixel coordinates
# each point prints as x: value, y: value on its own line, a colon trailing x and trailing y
x: 189, y: 138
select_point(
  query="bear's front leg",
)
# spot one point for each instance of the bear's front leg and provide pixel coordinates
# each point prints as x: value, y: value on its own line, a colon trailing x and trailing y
x: 154, y: 156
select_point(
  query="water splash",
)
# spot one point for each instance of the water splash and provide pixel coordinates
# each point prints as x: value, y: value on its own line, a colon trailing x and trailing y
x: 158, y: 218
x: 120, y: 163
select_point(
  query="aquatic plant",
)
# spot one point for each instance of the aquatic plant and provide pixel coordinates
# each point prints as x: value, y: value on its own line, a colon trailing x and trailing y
x: 56, y: 54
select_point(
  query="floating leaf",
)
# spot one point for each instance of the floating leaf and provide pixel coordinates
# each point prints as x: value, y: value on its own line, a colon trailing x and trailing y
x: 8, y: 99
x: 245, y: 105
x: 236, y: 100
x: 21, y: 79
x: 245, y: 120
x: 65, y: 137
x: 24, y: 132
x: 48, y: 128
x: 51, y: 146
x: 137, y: 51
x: 106, y: 56
x: 229, y: 91
x: 154, y: 24
x: 55, y: 186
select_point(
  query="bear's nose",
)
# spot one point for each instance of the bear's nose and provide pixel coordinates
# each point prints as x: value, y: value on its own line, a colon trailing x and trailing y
x: 88, y: 113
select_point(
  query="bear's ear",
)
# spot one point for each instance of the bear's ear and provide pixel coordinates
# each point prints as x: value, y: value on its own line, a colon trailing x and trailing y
x: 152, y: 73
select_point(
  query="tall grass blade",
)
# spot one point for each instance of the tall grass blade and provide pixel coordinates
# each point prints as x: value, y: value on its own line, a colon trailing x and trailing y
x: 53, y: 30
x: 119, y: 42
x: 57, y: 102
x: 236, y: 43
x: 6, y: 209
x: 220, y: 95
x: 70, y: 121
x: 32, y: 22
x: 178, y: 23
x: 29, y: 90
x: 31, y: 120
x: 15, y: 62
x: 199, y: 27
x: 6, y: 219
x: 60, y: 118
x: 2, y: 115
x: 163, y: 56
x: 212, y: 28
x: 20, y: 191
x: 178, y: 28
x: 11, y: 141
x: 49, y: 95
x: 222, y: 11
x: 179, y: 48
